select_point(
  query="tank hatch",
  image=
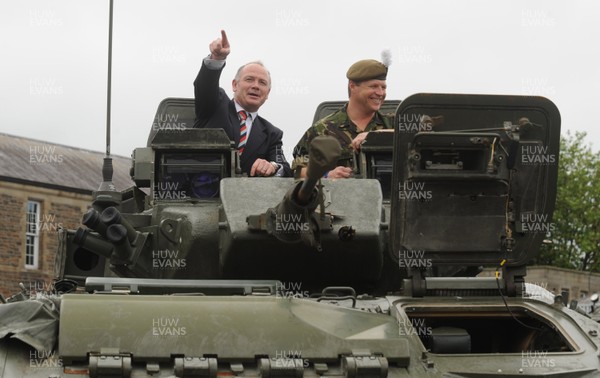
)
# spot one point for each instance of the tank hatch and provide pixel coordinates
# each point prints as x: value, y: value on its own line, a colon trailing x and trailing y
x: 474, y: 181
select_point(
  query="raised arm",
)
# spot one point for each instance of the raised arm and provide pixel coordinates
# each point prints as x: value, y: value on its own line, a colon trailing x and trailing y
x: 206, y: 85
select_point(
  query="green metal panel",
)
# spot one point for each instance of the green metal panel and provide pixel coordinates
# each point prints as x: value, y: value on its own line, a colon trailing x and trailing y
x: 232, y: 328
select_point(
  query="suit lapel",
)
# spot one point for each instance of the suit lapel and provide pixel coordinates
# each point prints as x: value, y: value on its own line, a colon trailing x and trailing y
x: 234, y: 122
x: 256, y: 139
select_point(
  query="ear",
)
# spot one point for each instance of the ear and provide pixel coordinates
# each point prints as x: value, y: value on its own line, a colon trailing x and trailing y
x: 234, y: 85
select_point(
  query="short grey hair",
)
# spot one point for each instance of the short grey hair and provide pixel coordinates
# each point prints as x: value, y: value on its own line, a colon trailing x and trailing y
x: 238, y: 74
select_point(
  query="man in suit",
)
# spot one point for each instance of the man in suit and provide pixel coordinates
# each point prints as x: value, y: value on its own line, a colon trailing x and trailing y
x: 259, y: 142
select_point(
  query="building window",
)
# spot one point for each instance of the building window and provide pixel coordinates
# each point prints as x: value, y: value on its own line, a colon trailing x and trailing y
x: 32, y: 235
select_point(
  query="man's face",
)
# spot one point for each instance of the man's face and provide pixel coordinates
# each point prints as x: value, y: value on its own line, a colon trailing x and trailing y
x: 369, y: 94
x: 253, y: 87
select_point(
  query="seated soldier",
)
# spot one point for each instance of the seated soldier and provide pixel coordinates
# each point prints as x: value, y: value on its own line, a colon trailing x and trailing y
x: 350, y: 124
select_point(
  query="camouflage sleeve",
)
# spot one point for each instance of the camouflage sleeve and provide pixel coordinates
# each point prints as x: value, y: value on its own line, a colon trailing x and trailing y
x: 301, y: 150
x: 388, y: 120
x: 318, y: 128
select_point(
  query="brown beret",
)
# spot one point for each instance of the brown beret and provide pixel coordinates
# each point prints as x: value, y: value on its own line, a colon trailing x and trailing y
x: 367, y: 69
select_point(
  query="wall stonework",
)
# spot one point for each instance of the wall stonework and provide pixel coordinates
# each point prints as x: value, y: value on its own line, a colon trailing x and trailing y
x: 59, y: 208
x: 578, y: 284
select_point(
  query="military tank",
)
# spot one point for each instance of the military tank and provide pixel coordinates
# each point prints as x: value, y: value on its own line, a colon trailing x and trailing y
x: 198, y: 271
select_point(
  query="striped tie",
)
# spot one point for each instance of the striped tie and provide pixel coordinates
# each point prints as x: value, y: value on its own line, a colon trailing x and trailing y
x: 243, y: 115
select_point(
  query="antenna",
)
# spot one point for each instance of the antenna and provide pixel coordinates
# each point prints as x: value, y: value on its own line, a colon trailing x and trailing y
x: 108, y: 91
x: 107, y: 166
x: 107, y: 194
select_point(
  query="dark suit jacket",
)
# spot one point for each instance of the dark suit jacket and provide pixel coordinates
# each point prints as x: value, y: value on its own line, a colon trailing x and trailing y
x: 215, y: 110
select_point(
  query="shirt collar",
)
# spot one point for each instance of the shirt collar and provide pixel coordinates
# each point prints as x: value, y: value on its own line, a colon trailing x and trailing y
x: 378, y: 119
x: 238, y: 108
x: 348, y: 122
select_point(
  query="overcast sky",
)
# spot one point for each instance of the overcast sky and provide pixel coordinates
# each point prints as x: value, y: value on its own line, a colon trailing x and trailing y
x: 54, y: 57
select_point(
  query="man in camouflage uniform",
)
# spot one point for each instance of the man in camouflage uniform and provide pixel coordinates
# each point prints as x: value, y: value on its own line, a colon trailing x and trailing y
x: 350, y: 124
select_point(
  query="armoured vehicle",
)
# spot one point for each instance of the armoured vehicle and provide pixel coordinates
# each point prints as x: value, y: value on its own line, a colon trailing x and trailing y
x: 198, y: 271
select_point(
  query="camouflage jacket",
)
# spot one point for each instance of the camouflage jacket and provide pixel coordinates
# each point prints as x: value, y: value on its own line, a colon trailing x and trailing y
x: 343, y: 129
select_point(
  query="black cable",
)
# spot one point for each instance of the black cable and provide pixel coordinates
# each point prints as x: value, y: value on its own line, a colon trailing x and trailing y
x: 506, y: 303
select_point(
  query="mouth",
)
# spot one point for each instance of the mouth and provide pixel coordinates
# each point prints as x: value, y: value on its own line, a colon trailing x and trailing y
x: 254, y: 96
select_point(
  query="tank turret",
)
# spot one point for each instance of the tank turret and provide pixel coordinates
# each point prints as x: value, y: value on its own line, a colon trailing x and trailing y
x: 201, y: 271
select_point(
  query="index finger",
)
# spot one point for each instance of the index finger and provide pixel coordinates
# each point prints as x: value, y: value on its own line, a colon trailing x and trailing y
x: 224, y: 40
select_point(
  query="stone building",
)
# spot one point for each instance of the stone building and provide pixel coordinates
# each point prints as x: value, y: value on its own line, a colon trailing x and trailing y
x: 575, y: 284
x: 572, y: 284
x: 43, y: 187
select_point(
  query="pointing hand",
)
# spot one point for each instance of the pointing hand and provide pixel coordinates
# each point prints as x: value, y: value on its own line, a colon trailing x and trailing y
x: 219, y: 48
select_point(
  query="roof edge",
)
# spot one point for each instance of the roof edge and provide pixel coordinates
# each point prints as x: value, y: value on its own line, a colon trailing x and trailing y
x: 45, y: 185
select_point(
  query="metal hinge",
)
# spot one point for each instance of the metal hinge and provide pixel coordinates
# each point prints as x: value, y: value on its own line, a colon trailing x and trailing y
x: 281, y: 367
x: 109, y: 363
x: 196, y: 367
x: 365, y: 364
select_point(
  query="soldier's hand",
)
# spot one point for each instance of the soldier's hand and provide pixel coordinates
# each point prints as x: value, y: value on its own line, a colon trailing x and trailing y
x: 356, y: 142
x: 261, y: 167
x: 340, y: 172
x: 219, y: 48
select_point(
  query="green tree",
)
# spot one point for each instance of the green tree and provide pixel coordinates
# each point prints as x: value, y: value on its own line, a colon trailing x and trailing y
x: 576, y: 220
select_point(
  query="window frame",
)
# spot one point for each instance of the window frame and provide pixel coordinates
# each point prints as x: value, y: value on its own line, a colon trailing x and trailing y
x: 32, y: 234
